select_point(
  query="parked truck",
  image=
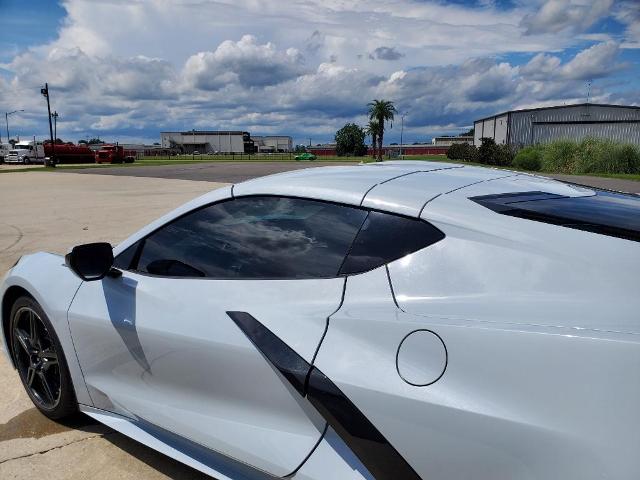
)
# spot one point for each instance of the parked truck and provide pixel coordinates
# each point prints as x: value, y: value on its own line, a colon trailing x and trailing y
x: 26, y: 152
x: 4, y: 151
x: 115, y: 154
x: 69, y: 153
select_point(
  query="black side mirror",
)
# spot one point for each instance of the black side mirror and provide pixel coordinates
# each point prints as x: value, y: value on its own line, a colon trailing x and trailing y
x: 91, y: 261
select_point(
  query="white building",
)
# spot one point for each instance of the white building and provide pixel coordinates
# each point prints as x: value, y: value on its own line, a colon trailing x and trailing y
x: 448, y: 141
x: 208, y: 141
x: 272, y: 143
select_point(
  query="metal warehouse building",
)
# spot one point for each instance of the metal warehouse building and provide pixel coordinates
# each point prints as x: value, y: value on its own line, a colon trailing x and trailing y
x: 208, y: 141
x: 620, y: 123
x: 204, y: 141
x: 272, y: 143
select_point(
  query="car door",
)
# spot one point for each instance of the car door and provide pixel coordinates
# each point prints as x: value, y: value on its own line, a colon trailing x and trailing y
x: 156, y: 344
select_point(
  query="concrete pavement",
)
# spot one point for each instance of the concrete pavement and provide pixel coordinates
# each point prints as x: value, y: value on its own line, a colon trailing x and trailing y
x: 54, y: 211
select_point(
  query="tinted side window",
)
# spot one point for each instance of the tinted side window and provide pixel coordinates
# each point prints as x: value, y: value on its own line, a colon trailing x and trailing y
x: 125, y: 259
x: 606, y: 213
x: 384, y: 238
x: 254, y: 237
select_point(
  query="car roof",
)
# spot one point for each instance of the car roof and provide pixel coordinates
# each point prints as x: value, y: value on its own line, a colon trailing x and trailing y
x: 403, y: 186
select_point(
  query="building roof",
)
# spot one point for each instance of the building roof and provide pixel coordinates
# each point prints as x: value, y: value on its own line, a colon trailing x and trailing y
x: 555, y: 107
x: 210, y: 132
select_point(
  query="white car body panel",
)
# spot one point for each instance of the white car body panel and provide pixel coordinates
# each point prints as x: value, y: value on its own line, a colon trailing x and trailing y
x: 332, y: 459
x: 523, y: 339
x: 143, y: 342
x: 341, y: 184
x: 53, y: 285
x: 408, y: 195
x: 497, y: 413
x: 488, y: 259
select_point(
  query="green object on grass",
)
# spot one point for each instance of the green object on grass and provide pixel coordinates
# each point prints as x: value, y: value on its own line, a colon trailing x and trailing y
x: 305, y: 156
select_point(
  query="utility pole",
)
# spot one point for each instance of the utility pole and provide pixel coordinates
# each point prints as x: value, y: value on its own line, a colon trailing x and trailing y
x: 55, y: 125
x: 193, y: 147
x: 45, y: 92
x: 6, y: 119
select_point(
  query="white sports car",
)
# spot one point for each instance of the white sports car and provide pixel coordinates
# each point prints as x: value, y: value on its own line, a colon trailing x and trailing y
x: 402, y: 320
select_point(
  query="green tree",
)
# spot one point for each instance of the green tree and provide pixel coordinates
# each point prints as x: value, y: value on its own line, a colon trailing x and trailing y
x: 95, y: 141
x: 350, y: 141
x: 382, y: 111
x: 372, y: 129
x: 300, y: 149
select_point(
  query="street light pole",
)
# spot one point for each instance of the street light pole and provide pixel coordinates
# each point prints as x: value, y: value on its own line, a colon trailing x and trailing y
x: 193, y: 147
x: 6, y: 119
x: 401, y: 132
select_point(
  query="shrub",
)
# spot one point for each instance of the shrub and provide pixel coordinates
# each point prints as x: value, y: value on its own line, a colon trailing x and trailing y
x: 470, y: 153
x: 559, y: 156
x: 488, y: 151
x: 456, y: 151
x: 529, y: 158
x: 462, y: 151
x: 504, y: 156
x: 491, y: 154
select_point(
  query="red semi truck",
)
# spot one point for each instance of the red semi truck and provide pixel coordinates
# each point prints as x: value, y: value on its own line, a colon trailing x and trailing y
x: 115, y: 154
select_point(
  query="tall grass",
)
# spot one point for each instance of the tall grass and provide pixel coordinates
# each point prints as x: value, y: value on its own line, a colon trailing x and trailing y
x: 591, y: 155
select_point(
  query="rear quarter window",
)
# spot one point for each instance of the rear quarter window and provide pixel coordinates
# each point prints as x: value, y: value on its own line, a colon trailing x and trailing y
x: 606, y: 213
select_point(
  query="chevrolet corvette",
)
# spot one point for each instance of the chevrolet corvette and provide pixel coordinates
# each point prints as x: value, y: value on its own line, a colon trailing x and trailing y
x: 399, y: 320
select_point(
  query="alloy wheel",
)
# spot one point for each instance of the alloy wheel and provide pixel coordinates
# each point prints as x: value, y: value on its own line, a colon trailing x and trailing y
x: 36, y: 358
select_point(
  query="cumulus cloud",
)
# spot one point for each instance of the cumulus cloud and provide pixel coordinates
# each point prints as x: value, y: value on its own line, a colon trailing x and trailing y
x: 597, y: 61
x: 245, y: 62
x: 574, y: 15
x: 144, y: 68
x: 628, y: 13
x: 386, y: 53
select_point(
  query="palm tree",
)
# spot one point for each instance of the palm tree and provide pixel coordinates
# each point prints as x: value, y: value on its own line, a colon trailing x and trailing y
x: 381, y: 111
x: 372, y: 129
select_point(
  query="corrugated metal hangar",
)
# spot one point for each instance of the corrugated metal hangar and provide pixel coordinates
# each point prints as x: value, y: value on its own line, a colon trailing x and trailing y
x: 620, y: 123
x: 229, y: 141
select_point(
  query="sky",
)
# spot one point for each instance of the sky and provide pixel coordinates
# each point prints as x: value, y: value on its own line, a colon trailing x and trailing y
x: 124, y: 70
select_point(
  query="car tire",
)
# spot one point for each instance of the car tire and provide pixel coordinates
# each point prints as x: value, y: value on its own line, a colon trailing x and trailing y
x: 39, y: 359
x: 26, y: 161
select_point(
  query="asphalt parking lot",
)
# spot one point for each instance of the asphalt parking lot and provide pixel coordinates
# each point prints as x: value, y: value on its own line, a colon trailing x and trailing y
x: 233, y: 172
x: 228, y: 172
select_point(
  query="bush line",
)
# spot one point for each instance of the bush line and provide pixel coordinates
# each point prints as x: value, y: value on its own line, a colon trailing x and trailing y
x: 591, y: 155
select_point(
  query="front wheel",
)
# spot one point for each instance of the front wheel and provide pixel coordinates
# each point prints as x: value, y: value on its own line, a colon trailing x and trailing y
x: 40, y: 361
x: 26, y: 160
